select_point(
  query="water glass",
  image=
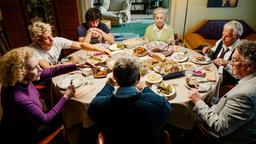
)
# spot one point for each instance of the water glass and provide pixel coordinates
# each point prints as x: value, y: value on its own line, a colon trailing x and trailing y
x: 188, y: 73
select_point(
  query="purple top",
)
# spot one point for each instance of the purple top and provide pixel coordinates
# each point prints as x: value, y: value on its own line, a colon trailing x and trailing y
x: 83, y: 28
x: 21, y: 105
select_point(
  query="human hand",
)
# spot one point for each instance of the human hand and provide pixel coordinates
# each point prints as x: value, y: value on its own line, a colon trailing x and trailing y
x: 194, y: 96
x: 141, y: 85
x: 220, y: 62
x: 107, y: 52
x: 74, y: 59
x: 111, y: 81
x: 70, y: 91
x: 206, y: 50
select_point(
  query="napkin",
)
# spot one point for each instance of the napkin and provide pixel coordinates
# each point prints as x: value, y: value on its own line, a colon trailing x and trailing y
x: 210, y: 76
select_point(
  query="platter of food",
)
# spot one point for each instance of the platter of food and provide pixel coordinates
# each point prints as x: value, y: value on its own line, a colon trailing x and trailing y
x: 140, y: 51
x: 159, y: 47
x: 96, y: 59
x: 164, y: 89
x: 167, y: 67
x: 179, y: 57
x: 201, y: 86
x: 153, y: 78
x: 116, y: 55
x: 117, y: 46
x: 65, y: 81
x: 102, y: 72
x: 188, y: 66
x: 199, y: 59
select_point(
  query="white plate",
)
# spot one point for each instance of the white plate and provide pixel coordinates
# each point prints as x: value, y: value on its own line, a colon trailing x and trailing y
x: 64, y: 82
x: 153, y: 78
x: 203, y: 87
x: 97, y: 59
x: 179, y: 57
x: 194, y: 60
x: 155, y: 89
x: 113, y: 47
x: 102, y: 45
x: 167, y: 67
x: 188, y: 66
x: 118, y: 54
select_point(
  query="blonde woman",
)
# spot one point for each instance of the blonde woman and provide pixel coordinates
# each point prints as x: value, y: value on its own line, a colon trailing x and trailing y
x: 48, y: 48
x: 159, y: 31
x: 23, y: 119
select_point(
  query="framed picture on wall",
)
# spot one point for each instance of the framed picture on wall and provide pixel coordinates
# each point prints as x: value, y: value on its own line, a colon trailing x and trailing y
x: 222, y: 3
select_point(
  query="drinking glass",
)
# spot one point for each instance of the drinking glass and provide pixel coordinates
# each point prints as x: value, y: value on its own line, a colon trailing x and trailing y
x: 188, y: 73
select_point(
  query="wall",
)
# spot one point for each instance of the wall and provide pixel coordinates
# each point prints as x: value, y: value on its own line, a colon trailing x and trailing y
x: 197, y: 11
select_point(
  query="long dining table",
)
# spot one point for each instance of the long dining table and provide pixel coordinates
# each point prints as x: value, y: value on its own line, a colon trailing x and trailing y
x: 182, y: 116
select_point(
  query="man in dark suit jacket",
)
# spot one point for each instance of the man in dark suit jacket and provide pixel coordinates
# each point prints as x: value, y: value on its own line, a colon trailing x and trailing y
x: 222, y: 51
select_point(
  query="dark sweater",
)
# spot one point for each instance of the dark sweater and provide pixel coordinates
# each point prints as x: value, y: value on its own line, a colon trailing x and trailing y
x: 131, y: 120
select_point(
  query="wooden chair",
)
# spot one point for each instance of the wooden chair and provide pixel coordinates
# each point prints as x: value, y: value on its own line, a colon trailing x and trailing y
x: 165, y: 138
x: 51, y: 136
x: 203, y: 136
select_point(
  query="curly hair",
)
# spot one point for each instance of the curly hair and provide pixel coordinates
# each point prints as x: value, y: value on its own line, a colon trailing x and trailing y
x: 126, y: 71
x: 12, y: 65
x: 247, y: 49
x: 93, y: 14
x: 38, y: 29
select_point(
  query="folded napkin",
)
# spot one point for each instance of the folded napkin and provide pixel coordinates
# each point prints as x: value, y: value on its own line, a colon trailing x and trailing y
x: 173, y: 75
x: 210, y: 76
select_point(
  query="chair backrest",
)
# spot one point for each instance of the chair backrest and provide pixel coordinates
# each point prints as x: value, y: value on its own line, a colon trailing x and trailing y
x: 207, y: 28
x: 165, y: 138
x: 51, y: 136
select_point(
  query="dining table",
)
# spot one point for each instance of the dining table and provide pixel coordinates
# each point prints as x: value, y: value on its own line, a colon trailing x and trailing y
x: 182, y: 115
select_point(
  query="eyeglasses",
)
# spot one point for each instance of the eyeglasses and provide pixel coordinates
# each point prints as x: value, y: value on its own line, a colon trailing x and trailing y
x: 237, y: 61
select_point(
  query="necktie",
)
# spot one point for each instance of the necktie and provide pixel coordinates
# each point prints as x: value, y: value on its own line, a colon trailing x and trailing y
x: 224, y: 51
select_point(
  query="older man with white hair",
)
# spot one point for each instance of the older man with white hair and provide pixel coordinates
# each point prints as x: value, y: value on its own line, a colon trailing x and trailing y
x: 233, y: 118
x: 222, y: 51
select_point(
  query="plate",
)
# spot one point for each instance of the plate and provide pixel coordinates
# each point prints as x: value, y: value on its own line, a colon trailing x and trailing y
x: 159, y: 47
x: 96, y: 59
x: 133, y: 42
x: 167, y: 67
x: 114, y: 47
x: 153, y: 78
x: 140, y: 51
x: 116, y: 55
x: 202, y: 86
x: 64, y: 82
x: 179, y: 57
x: 199, y: 59
x: 199, y: 73
x: 102, y: 45
x: 157, y: 89
x: 188, y: 66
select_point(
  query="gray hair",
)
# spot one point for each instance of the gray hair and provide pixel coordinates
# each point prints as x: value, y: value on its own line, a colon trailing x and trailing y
x: 159, y: 10
x: 126, y: 71
x: 236, y: 26
x: 247, y: 49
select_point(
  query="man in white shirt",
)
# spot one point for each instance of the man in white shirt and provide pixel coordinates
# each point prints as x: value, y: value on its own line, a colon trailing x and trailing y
x: 222, y: 51
x: 48, y: 48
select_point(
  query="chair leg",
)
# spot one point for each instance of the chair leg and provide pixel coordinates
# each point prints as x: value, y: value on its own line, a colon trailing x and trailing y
x: 50, y: 137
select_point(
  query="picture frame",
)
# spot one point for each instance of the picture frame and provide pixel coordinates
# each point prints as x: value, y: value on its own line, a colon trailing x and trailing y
x: 222, y: 3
